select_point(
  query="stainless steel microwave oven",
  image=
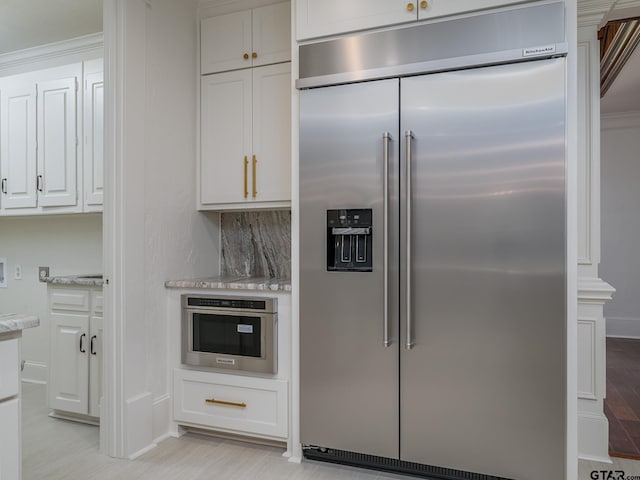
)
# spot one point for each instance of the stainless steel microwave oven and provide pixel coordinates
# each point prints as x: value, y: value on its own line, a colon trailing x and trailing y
x: 230, y: 333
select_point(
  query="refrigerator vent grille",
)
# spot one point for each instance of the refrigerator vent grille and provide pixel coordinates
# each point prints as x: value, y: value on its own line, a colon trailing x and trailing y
x: 392, y: 465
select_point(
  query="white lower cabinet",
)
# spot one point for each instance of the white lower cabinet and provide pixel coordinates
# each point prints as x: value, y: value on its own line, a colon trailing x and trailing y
x: 10, y: 436
x: 10, y: 456
x: 234, y: 404
x: 75, y: 377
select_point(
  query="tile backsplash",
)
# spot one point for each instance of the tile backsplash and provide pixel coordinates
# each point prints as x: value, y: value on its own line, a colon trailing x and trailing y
x: 256, y: 244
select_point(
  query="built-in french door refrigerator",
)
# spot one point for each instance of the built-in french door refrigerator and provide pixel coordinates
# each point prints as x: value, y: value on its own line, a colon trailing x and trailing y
x: 432, y: 251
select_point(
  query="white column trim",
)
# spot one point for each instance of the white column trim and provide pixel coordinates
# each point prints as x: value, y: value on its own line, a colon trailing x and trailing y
x: 112, y: 430
x: 594, y: 290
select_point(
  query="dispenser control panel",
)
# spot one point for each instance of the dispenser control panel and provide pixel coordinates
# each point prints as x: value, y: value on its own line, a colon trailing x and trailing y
x: 349, y: 240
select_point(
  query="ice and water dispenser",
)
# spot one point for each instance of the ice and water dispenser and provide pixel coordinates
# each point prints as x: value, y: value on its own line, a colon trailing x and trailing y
x: 349, y: 240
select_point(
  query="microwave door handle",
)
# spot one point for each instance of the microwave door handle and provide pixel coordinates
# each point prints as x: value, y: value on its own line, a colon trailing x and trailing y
x: 386, y: 137
x: 409, y: 339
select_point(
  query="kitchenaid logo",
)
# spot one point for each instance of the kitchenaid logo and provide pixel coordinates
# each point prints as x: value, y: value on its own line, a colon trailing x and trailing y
x: 612, y: 475
x: 533, y: 51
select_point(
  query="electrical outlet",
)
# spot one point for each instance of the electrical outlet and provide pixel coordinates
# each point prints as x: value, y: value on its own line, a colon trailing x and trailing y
x: 43, y: 273
x: 17, y: 272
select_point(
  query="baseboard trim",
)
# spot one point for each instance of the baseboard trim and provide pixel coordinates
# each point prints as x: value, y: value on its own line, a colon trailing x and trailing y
x: 141, y: 452
x: 623, y: 327
x: 593, y: 437
x: 161, y: 418
x: 35, y: 372
x: 138, y: 425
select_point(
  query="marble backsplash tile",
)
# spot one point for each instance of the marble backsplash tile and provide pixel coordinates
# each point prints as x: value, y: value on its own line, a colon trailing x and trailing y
x: 256, y: 244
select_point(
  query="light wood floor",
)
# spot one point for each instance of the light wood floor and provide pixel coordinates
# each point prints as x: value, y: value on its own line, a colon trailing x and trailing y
x: 60, y: 450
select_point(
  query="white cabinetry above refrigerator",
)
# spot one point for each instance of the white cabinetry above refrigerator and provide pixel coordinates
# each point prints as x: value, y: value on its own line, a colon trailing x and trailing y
x: 319, y: 18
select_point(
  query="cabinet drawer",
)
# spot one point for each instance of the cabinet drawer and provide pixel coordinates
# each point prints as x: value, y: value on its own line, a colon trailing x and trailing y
x: 70, y: 299
x: 9, y: 368
x: 239, y: 404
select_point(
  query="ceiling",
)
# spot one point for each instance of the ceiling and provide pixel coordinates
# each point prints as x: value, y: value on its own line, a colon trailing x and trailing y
x: 29, y: 23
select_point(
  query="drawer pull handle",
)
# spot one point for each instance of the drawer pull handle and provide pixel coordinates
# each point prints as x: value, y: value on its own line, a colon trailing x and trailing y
x: 223, y: 402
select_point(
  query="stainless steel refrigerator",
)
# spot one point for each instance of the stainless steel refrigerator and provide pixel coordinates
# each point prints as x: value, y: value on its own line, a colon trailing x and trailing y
x: 432, y: 258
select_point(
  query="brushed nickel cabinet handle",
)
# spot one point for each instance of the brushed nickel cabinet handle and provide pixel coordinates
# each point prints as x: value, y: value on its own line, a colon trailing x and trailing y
x: 246, y: 187
x: 39, y: 183
x: 224, y: 402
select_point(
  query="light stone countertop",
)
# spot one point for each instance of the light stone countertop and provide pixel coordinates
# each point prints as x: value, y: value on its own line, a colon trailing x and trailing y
x: 88, y: 280
x: 12, y: 322
x: 233, y: 283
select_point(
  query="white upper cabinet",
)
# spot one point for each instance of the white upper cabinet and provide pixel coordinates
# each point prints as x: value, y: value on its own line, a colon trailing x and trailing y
x: 93, y: 149
x: 18, y: 145
x: 271, y: 152
x: 249, y: 38
x: 319, y: 18
x: 39, y: 141
x: 57, y: 142
x: 51, y: 140
x: 225, y: 127
x: 246, y: 138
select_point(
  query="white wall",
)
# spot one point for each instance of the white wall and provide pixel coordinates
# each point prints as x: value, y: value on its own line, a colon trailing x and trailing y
x: 152, y: 226
x: 620, y: 265
x: 67, y: 244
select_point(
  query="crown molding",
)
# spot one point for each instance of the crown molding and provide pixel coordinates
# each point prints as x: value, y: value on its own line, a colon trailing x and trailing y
x: 211, y: 8
x: 592, y: 12
x: 78, y: 45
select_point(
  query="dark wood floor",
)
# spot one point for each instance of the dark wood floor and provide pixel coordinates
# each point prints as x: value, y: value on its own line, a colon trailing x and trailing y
x: 622, y: 405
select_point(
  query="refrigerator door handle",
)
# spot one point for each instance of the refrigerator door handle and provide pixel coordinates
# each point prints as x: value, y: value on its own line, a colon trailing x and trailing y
x: 409, y: 340
x: 386, y: 138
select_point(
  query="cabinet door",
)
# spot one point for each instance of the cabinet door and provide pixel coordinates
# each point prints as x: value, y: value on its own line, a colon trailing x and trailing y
x: 9, y: 371
x: 441, y: 8
x: 271, y: 34
x: 317, y: 18
x: 57, y: 142
x: 18, y: 145
x: 225, y: 137
x: 95, y: 364
x: 93, y: 158
x: 271, y: 174
x: 225, y: 42
x: 10, y: 440
x: 69, y: 366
